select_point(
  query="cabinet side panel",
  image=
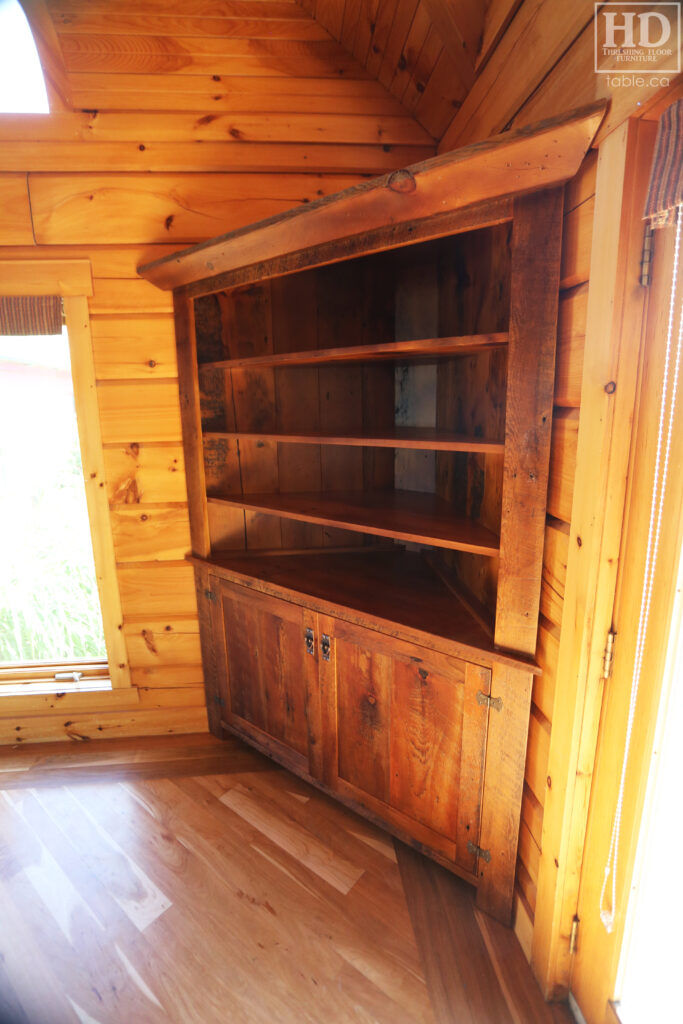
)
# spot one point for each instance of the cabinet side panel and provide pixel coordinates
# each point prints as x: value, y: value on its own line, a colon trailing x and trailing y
x: 536, y: 250
x: 503, y: 786
x: 188, y: 383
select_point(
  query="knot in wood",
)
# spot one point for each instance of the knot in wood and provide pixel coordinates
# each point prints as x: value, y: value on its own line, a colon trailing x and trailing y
x: 401, y: 181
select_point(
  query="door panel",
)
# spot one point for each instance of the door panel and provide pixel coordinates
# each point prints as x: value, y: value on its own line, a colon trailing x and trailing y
x: 269, y: 681
x: 594, y: 968
x: 410, y: 736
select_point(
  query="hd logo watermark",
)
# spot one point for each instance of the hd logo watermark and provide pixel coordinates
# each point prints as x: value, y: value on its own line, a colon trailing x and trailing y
x: 637, y: 44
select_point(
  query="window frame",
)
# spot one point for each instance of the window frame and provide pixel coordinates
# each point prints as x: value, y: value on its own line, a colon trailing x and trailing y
x: 72, y: 279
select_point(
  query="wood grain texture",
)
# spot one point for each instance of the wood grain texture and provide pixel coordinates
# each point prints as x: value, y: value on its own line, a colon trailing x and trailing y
x: 236, y: 129
x: 456, y: 941
x: 563, y: 463
x: 166, y: 832
x: 386, y: 350
x: 155, y: 533
x: 190, y: 414
x: 514, y: 75
x: 92, y: 461
x: 31, y: 726
x: 528, y: 416
x: 132, y: 412
x: 142, y: 473
x: 46, y: 277
x: 502, y: 796
x: 200, y: 156
x: 542, y: 156
x: 156, y: 124
x: 266, y: 675
x: 628, y: 97
x: 571, y: 336
x: 390, y: 41
x: 134, y: 348
x: 16, y: 226
x: 182, y: 208
x: 165, y: 589
x: 244, y: 94
x: 398, y: 437
x: 613, y: 336
x: 403, y: 515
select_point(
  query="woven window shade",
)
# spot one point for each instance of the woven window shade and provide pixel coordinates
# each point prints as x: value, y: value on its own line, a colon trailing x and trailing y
x: 665, y: 190
x: 30, y: 314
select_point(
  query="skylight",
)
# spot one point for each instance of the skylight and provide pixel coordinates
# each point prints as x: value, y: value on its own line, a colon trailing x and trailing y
x: 22, y: 86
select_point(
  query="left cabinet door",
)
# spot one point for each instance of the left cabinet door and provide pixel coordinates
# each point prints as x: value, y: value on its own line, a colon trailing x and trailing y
x: 267, y: 668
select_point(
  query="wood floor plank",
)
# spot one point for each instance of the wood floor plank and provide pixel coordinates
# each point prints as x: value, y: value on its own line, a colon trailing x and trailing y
x: 11, y: 1010
x: 293, y: 898
x: 376, y: 899
x: 66, y: 762
x: 221, y: 930
x: 135, y: 892
x: 119, y: 930
x: 320, y: 859
x: 525, y: 1001
x: 34, y: 985
x: 69, y: 937
x: 461, y: 979
x: 165, y: 880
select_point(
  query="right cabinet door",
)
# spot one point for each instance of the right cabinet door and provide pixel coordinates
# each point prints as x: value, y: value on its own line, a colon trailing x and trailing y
x: 404, y: 735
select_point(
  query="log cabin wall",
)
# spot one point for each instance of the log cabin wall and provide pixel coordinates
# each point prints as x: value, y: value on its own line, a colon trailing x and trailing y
x: 181, y: 127
x: 174, y: 122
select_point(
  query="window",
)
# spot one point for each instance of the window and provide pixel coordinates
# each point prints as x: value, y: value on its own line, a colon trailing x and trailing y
x: 22, y: 86
x: 74, y: 276
x: 49, y: 604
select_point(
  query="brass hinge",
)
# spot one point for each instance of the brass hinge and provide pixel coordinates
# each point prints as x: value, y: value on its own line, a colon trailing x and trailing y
x: 608, y: 656
x: 646, y: 256
x: 573, y: 935
x: 477, y: 851
x: 490, y: 702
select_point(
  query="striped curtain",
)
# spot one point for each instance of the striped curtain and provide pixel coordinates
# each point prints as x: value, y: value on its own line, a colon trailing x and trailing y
x: 665, y: 191
x: 30, y: 314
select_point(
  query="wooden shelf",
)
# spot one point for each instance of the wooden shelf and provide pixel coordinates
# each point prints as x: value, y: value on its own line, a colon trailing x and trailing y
x: 397, y: 587
x: 398, y: 437
x: 403, y: 515
x: 427, y: 349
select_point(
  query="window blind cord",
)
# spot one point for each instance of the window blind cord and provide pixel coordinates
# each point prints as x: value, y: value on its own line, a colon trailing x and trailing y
x: 670, y: 379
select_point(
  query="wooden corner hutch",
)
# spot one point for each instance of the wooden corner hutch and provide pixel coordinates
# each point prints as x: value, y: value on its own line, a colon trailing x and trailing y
x: 366, y: 391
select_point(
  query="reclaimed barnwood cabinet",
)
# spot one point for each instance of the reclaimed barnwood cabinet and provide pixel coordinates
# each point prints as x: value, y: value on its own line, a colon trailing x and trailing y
x: 366, y: 390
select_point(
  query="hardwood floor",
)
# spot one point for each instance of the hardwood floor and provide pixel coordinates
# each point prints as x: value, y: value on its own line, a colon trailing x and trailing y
x: 188, y: 880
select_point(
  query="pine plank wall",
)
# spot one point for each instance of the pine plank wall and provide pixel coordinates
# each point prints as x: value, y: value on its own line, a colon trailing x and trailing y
x: 180, y: 129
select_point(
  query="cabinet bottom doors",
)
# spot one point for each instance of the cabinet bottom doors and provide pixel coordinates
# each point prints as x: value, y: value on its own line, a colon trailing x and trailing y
x: 405, y: 736
x: 267, y: 666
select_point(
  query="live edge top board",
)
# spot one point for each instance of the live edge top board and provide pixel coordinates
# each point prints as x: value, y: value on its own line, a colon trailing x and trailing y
x: 366, y: 393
